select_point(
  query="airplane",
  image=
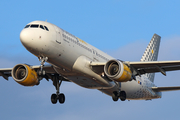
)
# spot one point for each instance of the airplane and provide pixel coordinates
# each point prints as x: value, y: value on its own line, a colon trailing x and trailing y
x: 70, y: 59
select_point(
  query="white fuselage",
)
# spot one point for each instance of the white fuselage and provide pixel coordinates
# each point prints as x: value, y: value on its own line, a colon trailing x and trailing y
x: 69, y: 55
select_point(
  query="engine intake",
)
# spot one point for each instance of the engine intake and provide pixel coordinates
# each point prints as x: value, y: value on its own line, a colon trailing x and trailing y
x: 24, y: 75
x: 117, y: 71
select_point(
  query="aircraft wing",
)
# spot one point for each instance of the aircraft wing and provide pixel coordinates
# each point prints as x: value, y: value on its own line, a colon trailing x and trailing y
x: 6, y: 72
x: 140, y: 68
x: 163, y: 89
x: 155, y: 66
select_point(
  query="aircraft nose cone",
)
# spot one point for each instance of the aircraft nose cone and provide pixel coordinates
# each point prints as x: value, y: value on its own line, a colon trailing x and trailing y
x: 24, y: 37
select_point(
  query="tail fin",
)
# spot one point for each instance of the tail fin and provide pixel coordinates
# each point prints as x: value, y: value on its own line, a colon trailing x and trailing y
x: 151, y: 53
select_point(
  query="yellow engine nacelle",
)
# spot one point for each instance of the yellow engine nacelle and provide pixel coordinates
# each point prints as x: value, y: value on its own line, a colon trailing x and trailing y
x: 24, y: 75
x: 117, y: 71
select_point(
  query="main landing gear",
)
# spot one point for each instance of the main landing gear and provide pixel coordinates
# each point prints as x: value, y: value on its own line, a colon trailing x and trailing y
x: 116, y: 95
x: 57, y: 96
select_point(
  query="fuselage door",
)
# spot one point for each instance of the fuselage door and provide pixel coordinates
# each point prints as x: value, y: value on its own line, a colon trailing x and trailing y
x: 58, y: 35
x: 95, y: 58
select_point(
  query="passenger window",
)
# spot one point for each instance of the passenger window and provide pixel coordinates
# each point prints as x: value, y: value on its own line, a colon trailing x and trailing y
x: 46, y: 28
x: 34, y: 26
x: 26, y: 26
x: 41, y: 27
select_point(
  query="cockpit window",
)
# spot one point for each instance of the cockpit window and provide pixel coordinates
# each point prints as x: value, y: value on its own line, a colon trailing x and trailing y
x: 37, y: 26
x: 26, y: 26
x: 46, y: 28
x: 41, y: 27
x: 34, y: 26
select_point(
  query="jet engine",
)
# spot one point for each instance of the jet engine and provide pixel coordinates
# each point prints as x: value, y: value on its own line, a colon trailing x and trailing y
x: 117, y: 71
x: 24, y: 75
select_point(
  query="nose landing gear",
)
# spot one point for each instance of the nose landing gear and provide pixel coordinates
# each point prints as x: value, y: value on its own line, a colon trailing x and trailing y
x: 42, y: 60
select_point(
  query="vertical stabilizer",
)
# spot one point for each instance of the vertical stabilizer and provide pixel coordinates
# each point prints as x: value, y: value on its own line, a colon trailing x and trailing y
x: 151, y: 53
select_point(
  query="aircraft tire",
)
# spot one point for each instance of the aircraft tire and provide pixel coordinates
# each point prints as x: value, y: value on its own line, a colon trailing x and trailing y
x: 123, y: 95
x: 115, y: 96
x: 54, y: 98
x: 61, y: 98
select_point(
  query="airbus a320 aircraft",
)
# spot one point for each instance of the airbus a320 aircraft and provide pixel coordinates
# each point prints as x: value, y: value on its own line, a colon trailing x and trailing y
x: 74, y: 60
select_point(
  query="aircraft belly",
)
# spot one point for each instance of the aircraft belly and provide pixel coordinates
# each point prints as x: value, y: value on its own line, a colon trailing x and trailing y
x: 109, y: 91
x: 84, y: 82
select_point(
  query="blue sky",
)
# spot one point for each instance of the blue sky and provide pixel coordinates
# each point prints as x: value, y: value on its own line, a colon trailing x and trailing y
x: 122, y: 28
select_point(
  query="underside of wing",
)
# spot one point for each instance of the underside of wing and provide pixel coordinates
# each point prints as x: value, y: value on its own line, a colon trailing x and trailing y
x: 5, y: 73
x: 163, y: 89
x: 98, y: 67
x: 48, y: 71
x: 154, y: 66
x: 139, y: 68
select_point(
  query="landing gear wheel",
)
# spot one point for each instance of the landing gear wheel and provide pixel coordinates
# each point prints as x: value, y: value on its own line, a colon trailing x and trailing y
x: 123, y: 95
x: 115, y: 96
x: 54, y: 98
x: 61, y: 98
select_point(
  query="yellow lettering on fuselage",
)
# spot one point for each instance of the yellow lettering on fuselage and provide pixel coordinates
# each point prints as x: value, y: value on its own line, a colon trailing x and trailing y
x: 82, y: 41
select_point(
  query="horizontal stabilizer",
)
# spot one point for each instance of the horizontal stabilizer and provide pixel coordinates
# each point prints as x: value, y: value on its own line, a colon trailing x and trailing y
x: 163, y: 89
